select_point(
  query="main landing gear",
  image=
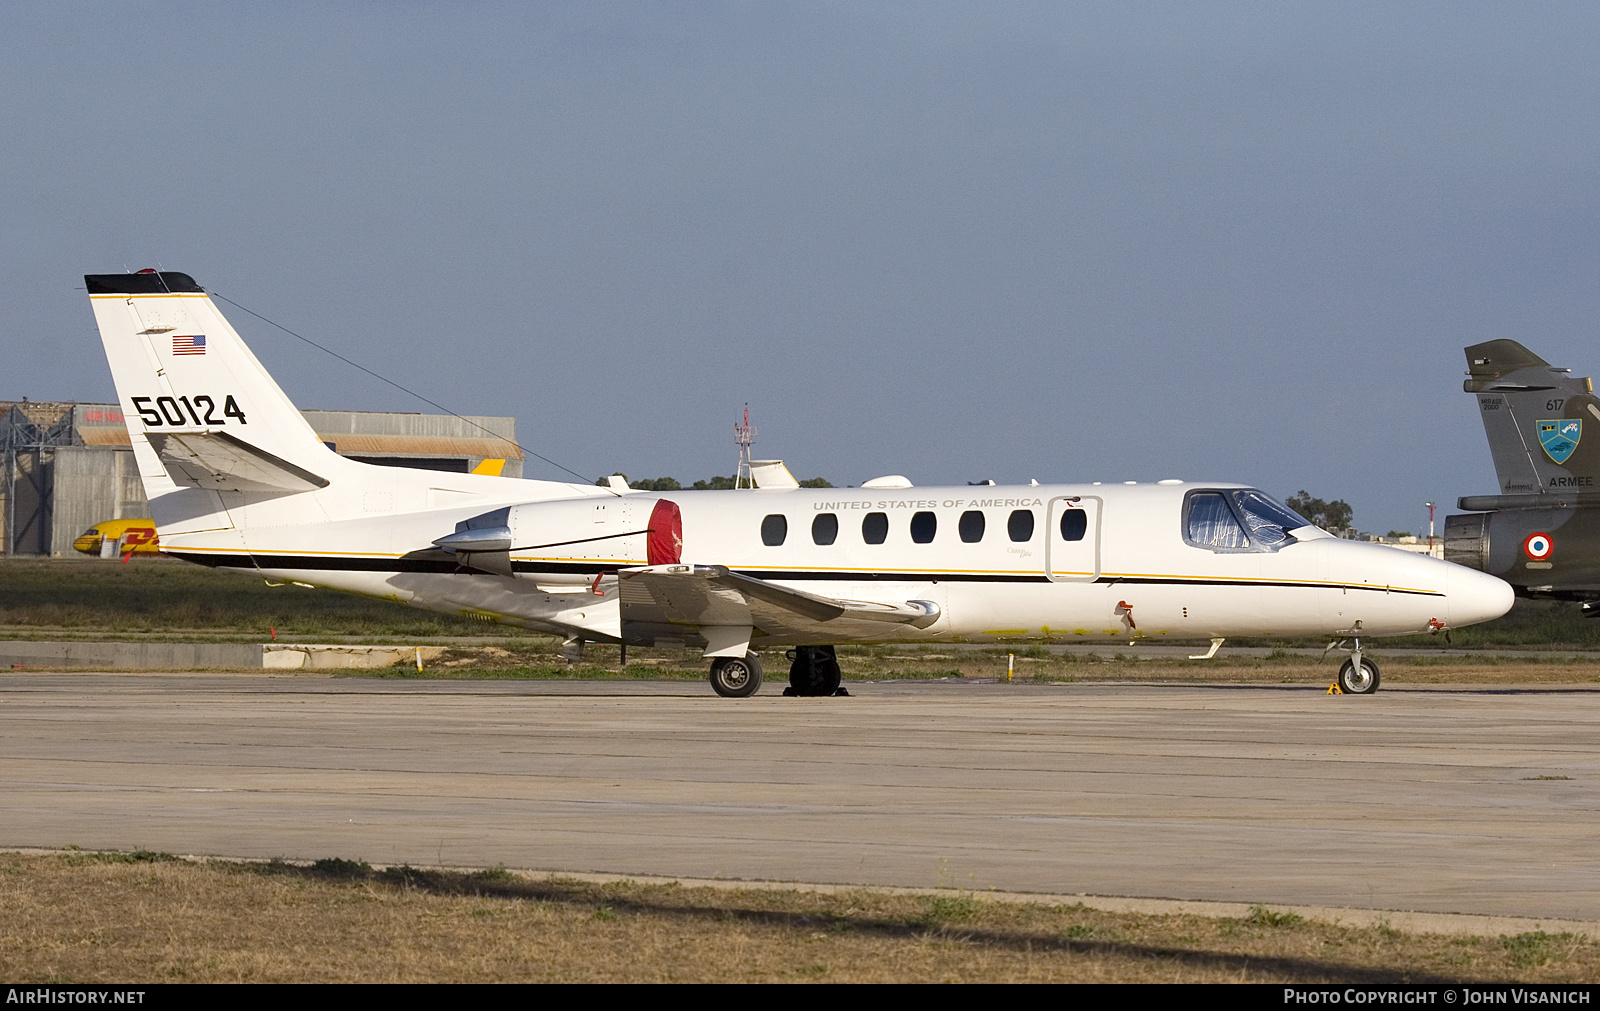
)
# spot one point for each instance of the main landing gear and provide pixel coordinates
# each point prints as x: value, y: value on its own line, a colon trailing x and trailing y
x: 1358, y: 675
x: 813, y: 671
x: 736, y: 677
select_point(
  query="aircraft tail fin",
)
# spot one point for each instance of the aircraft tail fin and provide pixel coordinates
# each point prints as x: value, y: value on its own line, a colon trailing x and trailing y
x: 201, y: 410
x: 1535, y: 416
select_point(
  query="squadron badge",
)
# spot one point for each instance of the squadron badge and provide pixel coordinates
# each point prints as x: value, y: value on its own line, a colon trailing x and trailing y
x: 1559, y: 437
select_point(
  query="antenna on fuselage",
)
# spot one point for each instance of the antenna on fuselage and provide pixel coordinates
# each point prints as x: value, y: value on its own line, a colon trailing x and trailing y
x: 745, y: 435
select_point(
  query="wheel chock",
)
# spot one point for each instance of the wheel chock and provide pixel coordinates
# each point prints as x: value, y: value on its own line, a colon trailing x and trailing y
x: 1334, y: 689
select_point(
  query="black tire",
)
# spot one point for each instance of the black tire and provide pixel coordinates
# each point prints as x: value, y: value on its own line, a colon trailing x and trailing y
x: 736, y: 677
x: 831, y: 675
x: 1364, y: 683
x: 814, y: 672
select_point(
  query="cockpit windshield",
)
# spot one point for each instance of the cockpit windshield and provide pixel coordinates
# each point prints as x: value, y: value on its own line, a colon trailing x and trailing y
x: 1239, y: 520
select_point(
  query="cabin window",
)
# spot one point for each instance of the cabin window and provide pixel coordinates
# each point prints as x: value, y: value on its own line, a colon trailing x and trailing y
x: 774, y: 529
x: 1074, y: 524
x: 971, y: 526
x: 1211, y: 524
x: 875, y: 528
x: 923, y: 526
x: 1020, y: 525
x: 825, y: 528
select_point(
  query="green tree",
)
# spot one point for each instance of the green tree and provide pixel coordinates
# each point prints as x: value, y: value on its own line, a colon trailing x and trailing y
x: 1332, y: 516
x: 816, y: 482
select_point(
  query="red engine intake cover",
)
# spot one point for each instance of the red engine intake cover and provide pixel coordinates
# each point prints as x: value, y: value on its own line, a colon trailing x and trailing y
x: 664, y: 545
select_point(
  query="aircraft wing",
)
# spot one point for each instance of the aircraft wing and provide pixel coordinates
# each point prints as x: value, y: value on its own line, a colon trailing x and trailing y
x: 726, y: 607
x: 221, y: 462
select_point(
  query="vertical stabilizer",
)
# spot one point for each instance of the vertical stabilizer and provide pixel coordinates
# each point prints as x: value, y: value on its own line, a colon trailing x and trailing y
x: 203, y: 415
x: 1543, y: 425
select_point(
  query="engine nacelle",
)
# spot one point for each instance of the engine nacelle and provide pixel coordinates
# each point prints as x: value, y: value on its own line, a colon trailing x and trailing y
x: 570, y: 540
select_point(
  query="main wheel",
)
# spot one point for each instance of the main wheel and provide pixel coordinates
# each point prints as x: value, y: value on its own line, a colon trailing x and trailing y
x: 1362, y: 682
x: 736, y: 677
x: 831, y: 675
x: 814, y: 671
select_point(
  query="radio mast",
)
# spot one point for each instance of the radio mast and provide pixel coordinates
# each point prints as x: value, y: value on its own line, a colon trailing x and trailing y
x: 745, y: 436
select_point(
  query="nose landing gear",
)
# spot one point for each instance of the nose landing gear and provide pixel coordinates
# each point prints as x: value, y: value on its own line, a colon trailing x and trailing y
x: 1358, y: 675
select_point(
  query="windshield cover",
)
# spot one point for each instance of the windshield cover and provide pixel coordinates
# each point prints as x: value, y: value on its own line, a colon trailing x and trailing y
x: 1211, y: 524
x: 1268, y: 520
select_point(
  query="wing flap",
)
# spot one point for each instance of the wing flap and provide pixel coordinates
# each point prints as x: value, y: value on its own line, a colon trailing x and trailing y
x: 712, y: 596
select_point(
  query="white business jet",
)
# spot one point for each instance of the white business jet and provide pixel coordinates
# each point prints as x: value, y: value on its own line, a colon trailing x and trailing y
x: 237, y: 479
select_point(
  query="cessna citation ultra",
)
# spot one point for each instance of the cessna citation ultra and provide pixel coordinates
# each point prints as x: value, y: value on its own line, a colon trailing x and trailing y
x: 237, y: 479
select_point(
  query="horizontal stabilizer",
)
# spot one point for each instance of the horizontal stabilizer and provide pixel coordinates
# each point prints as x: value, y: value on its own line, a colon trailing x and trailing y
x: 1493, y: 362
x: 221, y: 462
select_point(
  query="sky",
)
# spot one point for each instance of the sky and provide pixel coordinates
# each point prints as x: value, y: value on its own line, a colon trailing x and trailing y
x: 1058, y: 241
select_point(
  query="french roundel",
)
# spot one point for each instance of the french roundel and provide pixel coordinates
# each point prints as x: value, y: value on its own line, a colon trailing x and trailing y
x: 1538, y: 546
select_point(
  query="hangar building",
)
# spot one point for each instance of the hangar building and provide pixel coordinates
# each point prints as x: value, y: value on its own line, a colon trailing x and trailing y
x: 66, y: 467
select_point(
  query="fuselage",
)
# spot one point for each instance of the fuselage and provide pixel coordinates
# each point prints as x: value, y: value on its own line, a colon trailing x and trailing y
x: 1029, y: 563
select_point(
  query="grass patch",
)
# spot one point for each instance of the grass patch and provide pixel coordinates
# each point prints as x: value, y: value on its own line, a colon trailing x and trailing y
x: 77, y: 920
x: 944, y: 909
x: 1261, y: 916
x: 340, y: 869
x: 1537, y: 948
x: 132, y: 857
x: 159, y: 595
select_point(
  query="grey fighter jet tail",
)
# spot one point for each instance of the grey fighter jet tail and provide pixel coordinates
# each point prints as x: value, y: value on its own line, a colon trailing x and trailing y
x: 1542, y: 532
x: 1535, y: 416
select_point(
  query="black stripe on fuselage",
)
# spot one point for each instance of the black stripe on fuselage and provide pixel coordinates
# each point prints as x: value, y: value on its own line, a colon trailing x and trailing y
x: 325, y: 563
x: 319, y: 563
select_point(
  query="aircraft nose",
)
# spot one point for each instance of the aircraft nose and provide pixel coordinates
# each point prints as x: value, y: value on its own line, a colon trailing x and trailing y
x: 1476, y: 596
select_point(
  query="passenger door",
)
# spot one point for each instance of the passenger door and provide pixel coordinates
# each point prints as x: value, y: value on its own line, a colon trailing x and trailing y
x: 1072, y: 538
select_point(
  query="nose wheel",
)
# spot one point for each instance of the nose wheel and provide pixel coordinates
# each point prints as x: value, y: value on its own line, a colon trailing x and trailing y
x: 1358, y: 678
x: 1357, y: 675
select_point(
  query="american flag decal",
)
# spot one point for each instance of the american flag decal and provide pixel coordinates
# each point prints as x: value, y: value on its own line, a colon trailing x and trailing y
x: 195, y: 345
